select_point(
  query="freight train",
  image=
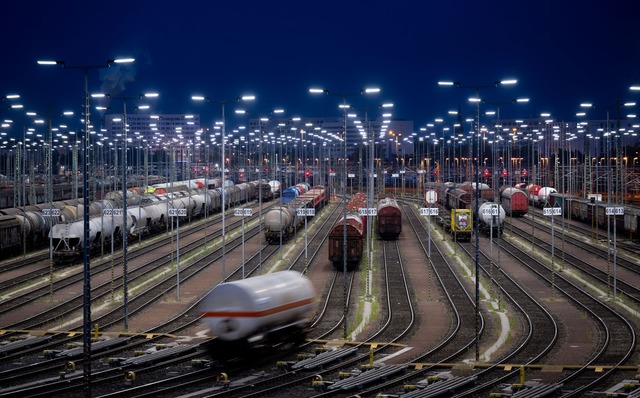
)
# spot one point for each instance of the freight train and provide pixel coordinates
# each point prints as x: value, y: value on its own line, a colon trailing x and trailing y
x: 389, y: 218
x: 258, y: 311
x: 356, y: 230
x: 538, y: 195
x: 293, y: 192
x: 460, y: 200
x: 491, y: 215
x: 282, y: 222
x: 146, y: 213
x: 594, y: 212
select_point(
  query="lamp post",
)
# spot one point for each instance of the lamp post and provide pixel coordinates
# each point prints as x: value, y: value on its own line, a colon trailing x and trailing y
x: 222, y: 159
x: 344, y: 108
x: 125, y: 232
x: 86, y: 327
x: 259, y: 166
x: 476, y: 156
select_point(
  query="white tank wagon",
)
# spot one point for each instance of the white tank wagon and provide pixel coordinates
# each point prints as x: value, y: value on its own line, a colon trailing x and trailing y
x: 189, y: 203
x: 275, y: 187
x: 68, y: 238
x: 266, y: 308
x: 198, y: 199
x: 543, y: 194
x: 280, y: 220
x: 136, y: 220
x: 485, y: 218
x: 157, y: 215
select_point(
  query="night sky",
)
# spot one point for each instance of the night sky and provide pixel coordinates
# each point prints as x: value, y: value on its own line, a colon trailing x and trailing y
x: 562, y: 52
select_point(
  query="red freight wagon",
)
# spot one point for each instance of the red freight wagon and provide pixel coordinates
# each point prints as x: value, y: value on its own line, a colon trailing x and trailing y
x: 389, y: 218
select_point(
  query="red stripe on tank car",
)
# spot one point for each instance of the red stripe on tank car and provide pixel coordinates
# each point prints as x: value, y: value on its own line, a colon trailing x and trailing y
x: 257, y: 314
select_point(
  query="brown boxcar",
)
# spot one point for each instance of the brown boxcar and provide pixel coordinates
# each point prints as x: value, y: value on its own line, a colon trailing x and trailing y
x: 389, y: 218
x: 355, y: 242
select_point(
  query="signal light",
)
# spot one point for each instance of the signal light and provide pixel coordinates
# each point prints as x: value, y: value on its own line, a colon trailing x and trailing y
x: 486, y: 173
x: 524, y: 173
x: 307, y: 173
x: 504, y: 173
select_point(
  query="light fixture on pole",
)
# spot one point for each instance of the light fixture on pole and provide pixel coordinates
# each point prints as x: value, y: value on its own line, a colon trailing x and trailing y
x: 222, y: 171
x: 344, y: 108
x: 475, y: 148
x: 86, y: 327
x: 125, y: 229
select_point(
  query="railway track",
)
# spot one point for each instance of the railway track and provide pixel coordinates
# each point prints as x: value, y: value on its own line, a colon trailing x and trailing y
x: 191, y: 315
x: 460, y: 337
x: 576, y: 234
x: 43, y: 267
x: 324, y: 325
x: 628, y: 282
x: 616, y: 336
x: 140, y: 302
x: 99, y: 292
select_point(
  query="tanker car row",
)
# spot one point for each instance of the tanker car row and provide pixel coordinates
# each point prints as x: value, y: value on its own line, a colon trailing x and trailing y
x: 34, y: 226
x: 282, y: 222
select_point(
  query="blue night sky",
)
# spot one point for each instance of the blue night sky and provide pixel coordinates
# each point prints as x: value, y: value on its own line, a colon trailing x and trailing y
x: 562, y: 52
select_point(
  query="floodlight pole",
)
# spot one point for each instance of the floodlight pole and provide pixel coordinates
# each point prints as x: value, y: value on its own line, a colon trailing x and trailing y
x: 86, y: 341
x: 476, y: 155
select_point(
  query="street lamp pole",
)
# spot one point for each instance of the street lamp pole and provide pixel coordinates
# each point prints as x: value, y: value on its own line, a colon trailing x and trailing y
x: 476, y: 155
x: 86, y: 327
x: 344, y: 107
x: 222, y: 172
x: 125, y: 229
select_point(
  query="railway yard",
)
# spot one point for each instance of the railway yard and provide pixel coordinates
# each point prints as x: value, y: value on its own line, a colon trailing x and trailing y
x: 559, y: 311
